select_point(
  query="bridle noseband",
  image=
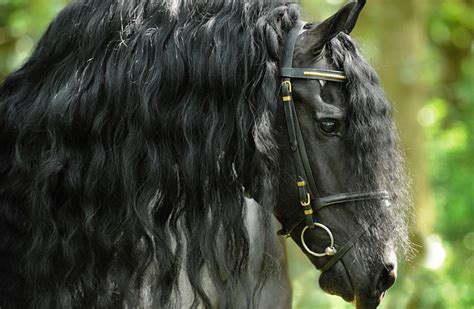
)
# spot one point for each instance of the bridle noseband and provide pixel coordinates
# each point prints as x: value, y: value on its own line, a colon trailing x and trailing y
x: 305, y: 181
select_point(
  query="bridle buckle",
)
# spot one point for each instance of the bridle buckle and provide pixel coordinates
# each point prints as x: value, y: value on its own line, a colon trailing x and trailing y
x: 307, y: 202
x: 286, y: 91
x: 287, y: 83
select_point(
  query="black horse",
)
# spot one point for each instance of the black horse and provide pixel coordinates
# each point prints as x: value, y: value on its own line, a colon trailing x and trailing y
x: 134, y: 136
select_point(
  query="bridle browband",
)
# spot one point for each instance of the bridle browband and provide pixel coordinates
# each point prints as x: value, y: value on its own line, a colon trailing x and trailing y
x: 305, y: 181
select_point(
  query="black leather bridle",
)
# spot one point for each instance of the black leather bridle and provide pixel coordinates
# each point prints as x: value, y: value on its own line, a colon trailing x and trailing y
x: 310, y: 200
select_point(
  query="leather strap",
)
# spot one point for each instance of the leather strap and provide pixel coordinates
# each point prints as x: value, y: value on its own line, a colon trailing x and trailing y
x: 303, y: 157
x: 333, y: 200
x: 342, y: 251
x: 351, y: 197
x: 290, y: 44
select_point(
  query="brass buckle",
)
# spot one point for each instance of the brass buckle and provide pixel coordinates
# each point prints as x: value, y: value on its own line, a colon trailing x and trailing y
x: 308, y: 201
x: 286, y: 97
x: 288, y: 83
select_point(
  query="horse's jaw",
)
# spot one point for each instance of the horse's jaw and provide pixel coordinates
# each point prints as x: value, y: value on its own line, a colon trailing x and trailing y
x: 336, y: 281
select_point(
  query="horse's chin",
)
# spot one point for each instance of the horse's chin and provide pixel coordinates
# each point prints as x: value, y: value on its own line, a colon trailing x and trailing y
x: 336, y: 281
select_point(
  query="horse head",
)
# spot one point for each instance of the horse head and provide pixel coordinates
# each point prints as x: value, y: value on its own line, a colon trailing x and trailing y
x: 341, y: 178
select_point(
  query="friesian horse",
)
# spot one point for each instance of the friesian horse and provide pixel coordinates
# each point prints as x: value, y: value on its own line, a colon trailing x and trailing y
x: 135, y: 137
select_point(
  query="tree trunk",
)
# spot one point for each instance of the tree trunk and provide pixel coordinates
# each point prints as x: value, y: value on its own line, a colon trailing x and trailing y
x: 402, y: 50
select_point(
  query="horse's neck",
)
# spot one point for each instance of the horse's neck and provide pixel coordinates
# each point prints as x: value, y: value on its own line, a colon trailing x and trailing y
x: 276, y: 292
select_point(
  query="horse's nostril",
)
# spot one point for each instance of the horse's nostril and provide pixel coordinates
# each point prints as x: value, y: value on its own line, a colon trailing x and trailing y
x: 389, y: 267
x: 387, y: 277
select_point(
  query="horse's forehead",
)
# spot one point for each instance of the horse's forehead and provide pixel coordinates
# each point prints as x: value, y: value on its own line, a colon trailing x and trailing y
x: 305, y: 58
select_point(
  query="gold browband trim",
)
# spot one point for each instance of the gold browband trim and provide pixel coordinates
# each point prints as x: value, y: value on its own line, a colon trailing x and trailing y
x: 326, y: 75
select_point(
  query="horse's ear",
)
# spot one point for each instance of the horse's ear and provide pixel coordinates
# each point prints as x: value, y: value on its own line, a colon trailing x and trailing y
x: 352, y: 20
x: 343, y: 21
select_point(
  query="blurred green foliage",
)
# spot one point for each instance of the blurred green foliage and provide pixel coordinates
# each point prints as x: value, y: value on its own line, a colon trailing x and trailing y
x: 447, y: 119
x: 21, y: 24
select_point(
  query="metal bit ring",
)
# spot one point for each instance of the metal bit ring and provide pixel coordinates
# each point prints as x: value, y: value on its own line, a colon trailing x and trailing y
x: 330, y: 250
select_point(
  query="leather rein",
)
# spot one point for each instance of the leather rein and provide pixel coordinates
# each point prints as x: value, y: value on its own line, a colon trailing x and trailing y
x: 309, y: 198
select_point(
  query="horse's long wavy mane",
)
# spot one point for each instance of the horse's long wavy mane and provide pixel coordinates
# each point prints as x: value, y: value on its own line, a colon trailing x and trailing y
x: 133, y: 126
x: 373, y: 144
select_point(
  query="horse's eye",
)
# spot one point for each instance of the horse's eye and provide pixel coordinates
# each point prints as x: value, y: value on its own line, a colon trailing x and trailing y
x: 328, y: 125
